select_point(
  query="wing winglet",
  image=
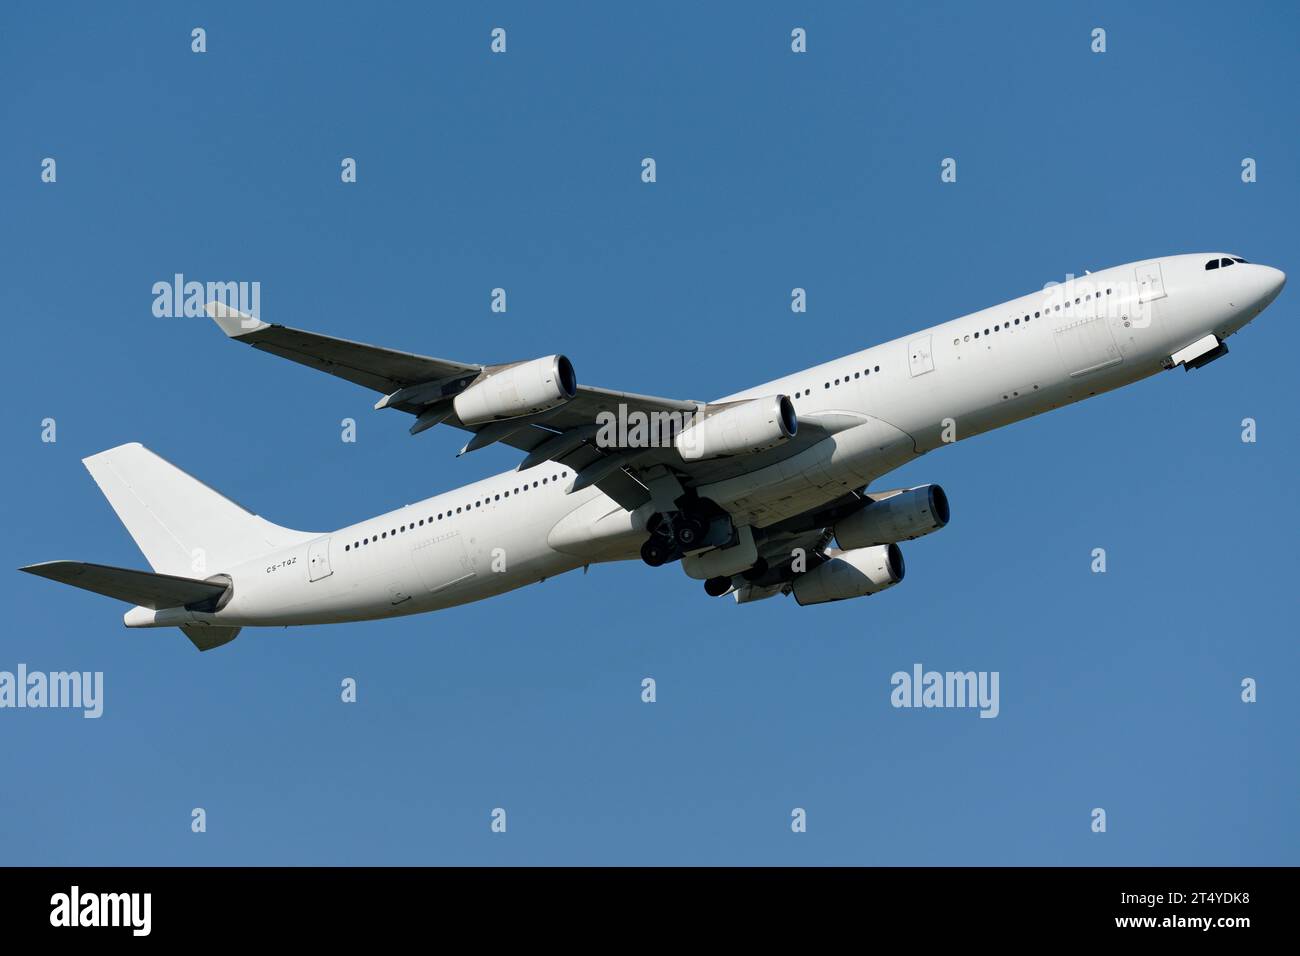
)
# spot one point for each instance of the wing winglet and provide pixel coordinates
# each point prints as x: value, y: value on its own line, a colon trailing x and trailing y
x: 233, y: 322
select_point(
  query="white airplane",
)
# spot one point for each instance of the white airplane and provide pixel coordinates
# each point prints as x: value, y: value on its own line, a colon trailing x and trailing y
x: 747, y: 491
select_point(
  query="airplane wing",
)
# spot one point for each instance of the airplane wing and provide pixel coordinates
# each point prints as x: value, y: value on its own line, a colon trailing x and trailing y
x: 383, y: 370
x: 428, y: 388
x: 424, y: 386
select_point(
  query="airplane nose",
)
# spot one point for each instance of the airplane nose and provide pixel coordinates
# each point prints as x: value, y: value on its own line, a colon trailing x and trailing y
x: 1265, y: 284
x: 1275, y: 278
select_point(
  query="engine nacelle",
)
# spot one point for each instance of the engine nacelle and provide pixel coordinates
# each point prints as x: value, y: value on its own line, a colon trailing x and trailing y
x: 850, y: 574
x: 899, y: 517
x: 742, y: 429
x: 523, y: 389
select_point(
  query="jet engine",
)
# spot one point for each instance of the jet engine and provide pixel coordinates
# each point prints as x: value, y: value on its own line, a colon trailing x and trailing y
x: 740, y: 429
x: 850, y: 574
x: 894, y: 516
x: 510, y: 391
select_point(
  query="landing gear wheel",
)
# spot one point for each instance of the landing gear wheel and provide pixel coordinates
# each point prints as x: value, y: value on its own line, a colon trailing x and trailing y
x: 654, y: 553
x: 716, y: 587
x: 688, y: 533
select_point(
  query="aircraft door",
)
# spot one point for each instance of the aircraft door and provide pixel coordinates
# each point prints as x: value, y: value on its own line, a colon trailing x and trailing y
x: 1134, y: 317
x: 1151, y: 282
x: 318, y: 559
x: 919, y: 355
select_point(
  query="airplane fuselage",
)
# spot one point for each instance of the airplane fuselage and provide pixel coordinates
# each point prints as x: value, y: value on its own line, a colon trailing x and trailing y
x: 880, y: 408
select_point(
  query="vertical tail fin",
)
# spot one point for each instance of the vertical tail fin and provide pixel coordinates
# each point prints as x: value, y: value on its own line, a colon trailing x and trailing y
x: 182, y: 526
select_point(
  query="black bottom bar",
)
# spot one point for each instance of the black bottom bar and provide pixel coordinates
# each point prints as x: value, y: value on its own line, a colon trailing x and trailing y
x: 330, y: 906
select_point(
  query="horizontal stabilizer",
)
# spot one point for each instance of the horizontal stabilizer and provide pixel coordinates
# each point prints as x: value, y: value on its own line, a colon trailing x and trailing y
x: 135, y: 587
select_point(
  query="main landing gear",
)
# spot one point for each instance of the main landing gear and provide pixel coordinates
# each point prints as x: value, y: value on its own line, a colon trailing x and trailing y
x: 673, y: 535
x: 656, y: 552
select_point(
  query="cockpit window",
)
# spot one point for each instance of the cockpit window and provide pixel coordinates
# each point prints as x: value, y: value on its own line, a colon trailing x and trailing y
x: 1242, y: 261
x: 1212, y: 264
x: 1224, y: 263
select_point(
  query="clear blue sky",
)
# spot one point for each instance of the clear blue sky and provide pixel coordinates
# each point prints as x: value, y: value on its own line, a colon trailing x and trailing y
x: 774, y: 171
